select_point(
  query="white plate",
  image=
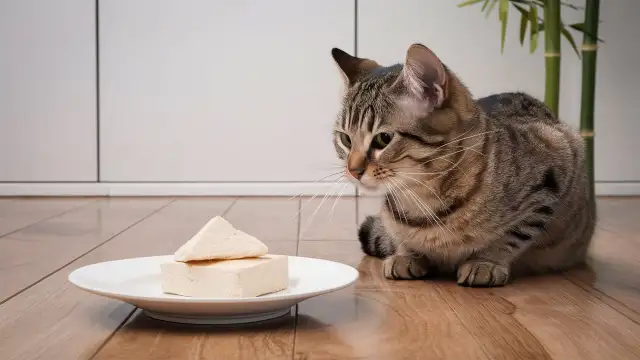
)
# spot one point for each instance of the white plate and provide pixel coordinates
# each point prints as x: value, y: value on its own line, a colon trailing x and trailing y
x: 137, y: 281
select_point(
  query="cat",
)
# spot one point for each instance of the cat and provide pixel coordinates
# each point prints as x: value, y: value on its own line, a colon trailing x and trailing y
x: 486, y: 190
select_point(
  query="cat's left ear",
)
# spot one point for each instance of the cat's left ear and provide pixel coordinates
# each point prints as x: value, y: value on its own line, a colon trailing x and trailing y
x: 423, y: 76
x: 353, y: 68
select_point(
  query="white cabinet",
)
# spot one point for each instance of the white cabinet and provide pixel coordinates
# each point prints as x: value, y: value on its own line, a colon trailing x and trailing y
x: 469, y: 43
x: 47, y: 91
x: 213, y: 90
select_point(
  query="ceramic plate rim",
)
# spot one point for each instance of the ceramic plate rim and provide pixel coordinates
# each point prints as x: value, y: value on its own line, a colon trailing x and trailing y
x: 73, y: 279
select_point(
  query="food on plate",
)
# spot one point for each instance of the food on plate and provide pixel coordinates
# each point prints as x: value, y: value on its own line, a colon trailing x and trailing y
x: 248, y: 277
x: 220, y: 261
x: 218, y: 239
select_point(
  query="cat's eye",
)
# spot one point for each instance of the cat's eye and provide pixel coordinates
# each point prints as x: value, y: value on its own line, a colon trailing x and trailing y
x: 346, y: 140
x: 381, y: 140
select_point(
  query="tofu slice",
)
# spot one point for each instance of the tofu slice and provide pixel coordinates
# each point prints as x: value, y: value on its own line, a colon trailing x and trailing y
x: 218, y: 239
x: 238, y: 278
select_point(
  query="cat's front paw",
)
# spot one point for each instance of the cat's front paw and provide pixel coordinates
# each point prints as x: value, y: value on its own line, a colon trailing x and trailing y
x: 482, y: 273
x: 404, y: 267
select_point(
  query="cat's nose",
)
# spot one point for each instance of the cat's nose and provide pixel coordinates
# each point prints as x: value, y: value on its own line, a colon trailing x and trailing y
x: 357, y: 164
x: 356, y: 172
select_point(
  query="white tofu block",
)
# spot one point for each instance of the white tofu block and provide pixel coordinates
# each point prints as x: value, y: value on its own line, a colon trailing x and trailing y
x: 236, y: 278
x: 218, y: 239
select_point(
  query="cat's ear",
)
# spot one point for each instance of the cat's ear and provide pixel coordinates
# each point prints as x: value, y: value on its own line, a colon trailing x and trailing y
x: 353, y: 68
x: 423, y: 76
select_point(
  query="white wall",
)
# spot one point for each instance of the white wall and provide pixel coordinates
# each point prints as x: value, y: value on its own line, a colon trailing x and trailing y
x: 219, y: 91
x: 220, y: 97
x: 617, y: 114
x: 47, y: 90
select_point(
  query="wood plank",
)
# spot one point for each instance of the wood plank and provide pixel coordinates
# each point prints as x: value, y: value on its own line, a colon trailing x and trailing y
x: 28, y: 255
x: 369, y: 268
x: 493, y: 316
x: 16, y: 214
x: 142, y: 337
x: 569, y: 322
x: 544, y: 317
x: 268, y: 219
x: 55, y: 320
x: 328, y: 219
x: 613, y: 269
x: 145, y: 338
x: 373, y: 324
x: 612, y: 273
x: 377, y: 318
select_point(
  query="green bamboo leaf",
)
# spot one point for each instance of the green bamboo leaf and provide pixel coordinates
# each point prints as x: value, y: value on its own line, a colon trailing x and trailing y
x: 577, y: 26
x: 569, y: 38
x: 484, y: 6
x: 529, y: 2
x: 469, y: 2
x: 504, y: 14
x: 580, y: 27
x: 522, y: 10
x: 533, y: 19
x: 524, y: 21
x: 492, y: 4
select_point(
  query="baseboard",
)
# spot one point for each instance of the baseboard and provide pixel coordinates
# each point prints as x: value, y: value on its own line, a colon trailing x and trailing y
x: 228, y: 189
x: 618, y: 188
x: 175, y: 189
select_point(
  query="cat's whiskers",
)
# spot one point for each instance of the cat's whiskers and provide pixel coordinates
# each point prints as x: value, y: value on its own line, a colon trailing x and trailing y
x: 400, y: 191
x: 419, y: 206
x: 414, y: 194
x: 465, y: 138
x: 426, y: 186
x: 337, y: 182
x: 425, y: 206
x: 436, y: 219
x: 399, y: 205
x: 322, y: 178
x: 443, y: 157
x: 396, y: 197
x: 454, y: 165
x: 449, y: 154
x: 441, y: 173
x: 316, y: 195
x: 337, y: 199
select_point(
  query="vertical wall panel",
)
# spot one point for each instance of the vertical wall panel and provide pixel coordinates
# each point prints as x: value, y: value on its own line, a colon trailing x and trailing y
x: 47, y: 90
x: 216, y: 90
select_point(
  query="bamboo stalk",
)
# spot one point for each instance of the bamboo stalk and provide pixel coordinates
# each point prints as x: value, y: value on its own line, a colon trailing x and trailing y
x: 589, y: 55
x: 552, y: 54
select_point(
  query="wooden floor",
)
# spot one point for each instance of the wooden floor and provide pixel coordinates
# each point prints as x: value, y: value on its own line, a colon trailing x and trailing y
x: 591, y: 313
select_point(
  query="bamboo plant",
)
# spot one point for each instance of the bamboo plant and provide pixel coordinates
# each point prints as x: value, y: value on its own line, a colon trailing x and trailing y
x: 554, y: 28
x: 589, y: 54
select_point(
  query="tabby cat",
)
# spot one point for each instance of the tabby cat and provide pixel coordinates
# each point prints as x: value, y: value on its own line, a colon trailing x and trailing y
x: 487, y: 189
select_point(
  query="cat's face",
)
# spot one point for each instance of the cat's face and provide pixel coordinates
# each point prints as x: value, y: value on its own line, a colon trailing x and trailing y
x: 384, y: 132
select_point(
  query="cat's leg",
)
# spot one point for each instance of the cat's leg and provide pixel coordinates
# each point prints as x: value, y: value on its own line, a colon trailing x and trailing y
x: 399, y: 263
x: 491, y: 266
x: 405, y: 265
x: 374, y: 240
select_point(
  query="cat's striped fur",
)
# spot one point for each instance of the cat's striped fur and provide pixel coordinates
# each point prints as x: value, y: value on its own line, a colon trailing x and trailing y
x: 485, y: 189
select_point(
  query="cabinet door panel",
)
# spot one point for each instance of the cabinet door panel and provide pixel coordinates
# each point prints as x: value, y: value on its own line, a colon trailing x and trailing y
x: 47, y: 91
x: 220, y: 90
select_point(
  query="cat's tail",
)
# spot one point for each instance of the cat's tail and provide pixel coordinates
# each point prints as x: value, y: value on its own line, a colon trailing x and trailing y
x: 374, y: 240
